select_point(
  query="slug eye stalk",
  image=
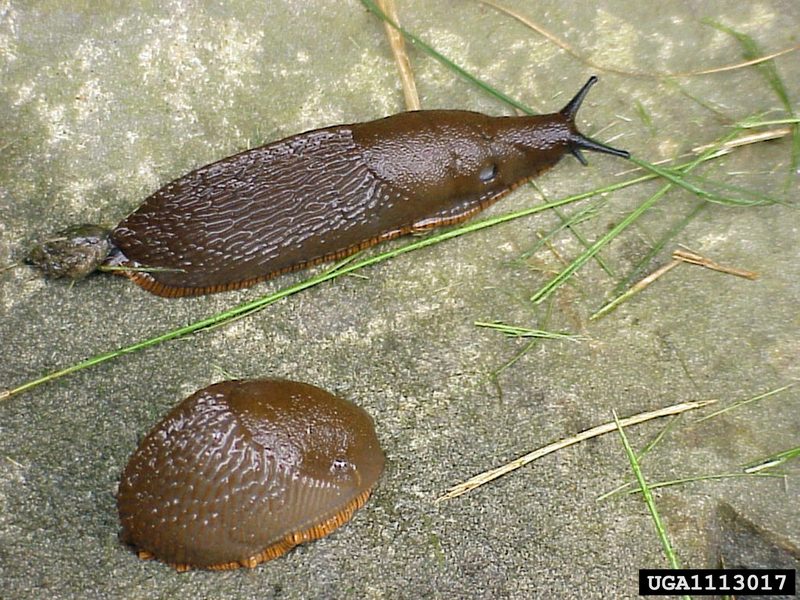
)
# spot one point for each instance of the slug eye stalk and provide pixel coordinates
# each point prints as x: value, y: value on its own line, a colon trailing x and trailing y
x: 577, y: 140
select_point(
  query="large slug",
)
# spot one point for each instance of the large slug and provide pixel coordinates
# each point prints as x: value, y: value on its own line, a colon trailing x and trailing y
x: 242, y: 471
x: 327, y: 193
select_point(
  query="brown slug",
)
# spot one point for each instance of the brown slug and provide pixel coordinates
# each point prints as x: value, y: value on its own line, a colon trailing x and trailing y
x: 325, y: 194
x: 242, y: 471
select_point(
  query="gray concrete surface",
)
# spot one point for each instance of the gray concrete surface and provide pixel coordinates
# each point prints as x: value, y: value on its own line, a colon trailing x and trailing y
x: 102, y: 104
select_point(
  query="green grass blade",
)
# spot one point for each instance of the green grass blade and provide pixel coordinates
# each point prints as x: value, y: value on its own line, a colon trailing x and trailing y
x: 625, y: 488
x: 772, y: 461
x: 638, y: 269
x: 524, y: 332
x: 750, y: 51
x: 684, y: 180
x: 714, y: 477
x: 751, y: 124
x: 737, y: 405
x: 737, y: 196
x: 671, y: 423
x: 578, y: 217
x: 648, y: 498
x: 576, y: 264
x: 570, y: 226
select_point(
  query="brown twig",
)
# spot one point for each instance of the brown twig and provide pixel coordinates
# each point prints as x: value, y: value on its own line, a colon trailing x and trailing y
x: 492, y: 474
x: 696, y: 259
x: 398, y: 44
x: 9, y: 267
x: 636, y: 288
x: 752, y: 138
x: 726, y: 148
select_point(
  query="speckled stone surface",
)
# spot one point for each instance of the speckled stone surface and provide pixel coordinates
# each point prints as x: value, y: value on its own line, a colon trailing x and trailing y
x: 101, y: 104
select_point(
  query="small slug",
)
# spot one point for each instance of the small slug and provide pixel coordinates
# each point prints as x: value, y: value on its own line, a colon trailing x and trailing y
x: 242, y: 471
x: 327, y: 193
x: 73, y: 252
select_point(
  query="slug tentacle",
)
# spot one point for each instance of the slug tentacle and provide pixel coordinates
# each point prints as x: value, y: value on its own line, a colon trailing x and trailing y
x: 577, y: 140
x: 571, y: 109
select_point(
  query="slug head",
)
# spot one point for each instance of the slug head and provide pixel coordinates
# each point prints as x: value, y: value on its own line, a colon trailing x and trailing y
x: 524, y: 147
x: 439, y: 167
